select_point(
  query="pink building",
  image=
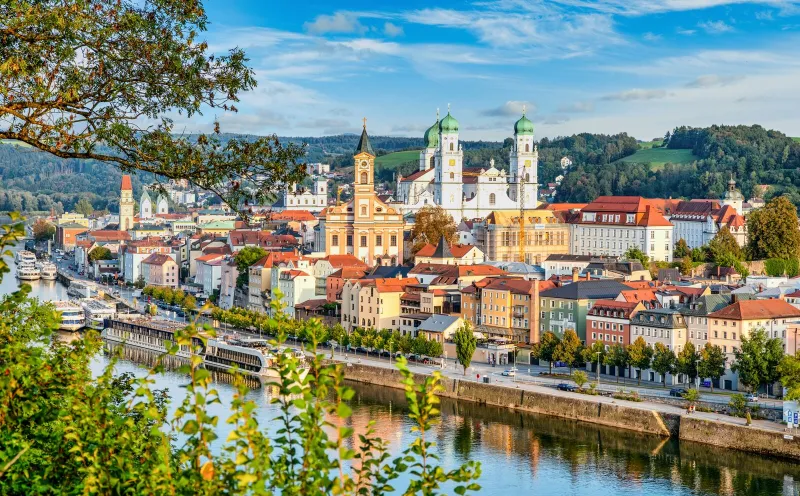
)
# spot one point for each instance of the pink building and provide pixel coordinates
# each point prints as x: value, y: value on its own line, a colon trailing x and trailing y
x: 160, y: 270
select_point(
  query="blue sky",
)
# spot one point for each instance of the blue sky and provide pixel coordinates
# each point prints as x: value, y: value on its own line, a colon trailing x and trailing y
x: 640, y: 66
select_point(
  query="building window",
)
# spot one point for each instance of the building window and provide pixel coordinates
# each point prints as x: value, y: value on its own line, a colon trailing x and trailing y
x: 363, y: 178
x: 451, y: 147
x: 452, y: 176
x: 378, y: 240
x: 492, y: 199
x: 335, y: 240
x: 393, y: 240
x: 349, y: 240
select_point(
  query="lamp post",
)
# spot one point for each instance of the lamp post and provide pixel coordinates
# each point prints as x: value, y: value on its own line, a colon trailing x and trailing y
x: 697, y: 377
x: 597, y: 354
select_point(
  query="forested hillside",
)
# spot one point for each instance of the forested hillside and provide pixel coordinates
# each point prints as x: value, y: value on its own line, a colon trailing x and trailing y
x: 752, y: 154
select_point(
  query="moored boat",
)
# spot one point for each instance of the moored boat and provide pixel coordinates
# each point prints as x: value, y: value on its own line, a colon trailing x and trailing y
x: 72, y: 316
x: 28, y: 273
x: 25, y: 257
x: 48, y: 271
x: 96, y: 312
x: 148, y: 334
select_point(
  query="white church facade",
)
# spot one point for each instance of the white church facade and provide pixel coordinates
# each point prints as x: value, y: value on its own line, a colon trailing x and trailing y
x: 473, y: 192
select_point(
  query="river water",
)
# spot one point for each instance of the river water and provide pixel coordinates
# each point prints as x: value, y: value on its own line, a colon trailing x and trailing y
x: 521, y: 454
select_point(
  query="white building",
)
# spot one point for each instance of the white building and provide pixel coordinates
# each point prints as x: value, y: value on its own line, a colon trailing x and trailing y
x: 474, y: 192
x: 145, y: 206
x: 209, y: 274
x: 162, y: 205
x: 296, y: 286
x: 313, y: 200
x: 611, y: 225
x: 698, y: 221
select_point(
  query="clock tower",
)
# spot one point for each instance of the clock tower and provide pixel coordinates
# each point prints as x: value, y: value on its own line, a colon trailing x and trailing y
x: 126, y: 204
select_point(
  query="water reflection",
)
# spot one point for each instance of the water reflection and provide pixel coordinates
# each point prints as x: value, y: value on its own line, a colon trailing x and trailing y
x: 533, y: 454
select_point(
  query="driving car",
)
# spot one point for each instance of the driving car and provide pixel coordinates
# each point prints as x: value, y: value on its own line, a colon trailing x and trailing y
x: 679, y: 392
x: 751, y: 397
x: 566, y: 387
x: 509, y: 372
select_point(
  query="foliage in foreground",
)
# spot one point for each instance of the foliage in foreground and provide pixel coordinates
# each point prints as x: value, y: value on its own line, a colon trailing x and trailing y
x: 64, y: 432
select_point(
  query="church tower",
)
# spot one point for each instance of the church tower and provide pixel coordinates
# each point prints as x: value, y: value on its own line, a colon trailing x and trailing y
x: 523, y: 160
x: 126, y: 204
x: 145, y: 206
x: 449, y: 190
x: 364, y: 167
x: 427, y: 157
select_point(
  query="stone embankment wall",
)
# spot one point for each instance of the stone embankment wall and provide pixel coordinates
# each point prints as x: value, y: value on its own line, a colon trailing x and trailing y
x: 684, y: 427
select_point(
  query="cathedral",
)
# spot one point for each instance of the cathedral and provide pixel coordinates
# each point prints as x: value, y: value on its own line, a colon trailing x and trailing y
x: 470, y: 192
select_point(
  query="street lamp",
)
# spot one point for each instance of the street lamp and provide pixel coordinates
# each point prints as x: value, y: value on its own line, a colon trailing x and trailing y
x: 597, y: 354
x: 697, y: 377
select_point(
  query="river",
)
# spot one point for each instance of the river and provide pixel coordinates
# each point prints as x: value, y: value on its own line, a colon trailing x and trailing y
x: 521, y: 454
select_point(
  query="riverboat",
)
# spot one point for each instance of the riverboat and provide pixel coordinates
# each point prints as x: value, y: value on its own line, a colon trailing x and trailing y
x: 81, y: 289
x: 25, y: 257
x: 150, y: 334
x: 72, y: 315
x: 96, y: 312
x: 48, y: 271
x: 250, y: 355
x: 28, y: 273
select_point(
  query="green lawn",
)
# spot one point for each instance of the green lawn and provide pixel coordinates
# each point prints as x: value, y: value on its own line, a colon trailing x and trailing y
x: 650, y: 144
x: 796, y: 139
x: 657, y: 157
x: 392, y: 160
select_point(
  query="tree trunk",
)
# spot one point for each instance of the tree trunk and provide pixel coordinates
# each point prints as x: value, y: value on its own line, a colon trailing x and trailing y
x: 550, y: 364
x: 639, y: 378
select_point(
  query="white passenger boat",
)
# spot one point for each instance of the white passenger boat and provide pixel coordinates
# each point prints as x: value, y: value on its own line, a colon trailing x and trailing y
x: 28, y: 273
x: 72, y: 315
x: 251, y: 355
x: 25, y: 257
x: 97, y: 312
x: 49, y: 271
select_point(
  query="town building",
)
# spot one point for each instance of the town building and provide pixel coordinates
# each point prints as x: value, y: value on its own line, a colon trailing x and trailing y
x: 126, y: 204
x: 608, y: 321
x: 698, y: 221
x: 440, y: 327
x: 544, y: 235
x: 610, y: 225
x: 365, y: 226
x: 696, y: 312
x: 295, y: 286
x: 445, y: 253
x: 566, y: 307
x: 505, y: 307
x: 373, y: 303
x: 209, y: 273
x: 312, y: 200
x: 160, y: 270
x: 67, y: 235
x: 134, y: 252
x: 661, y: 325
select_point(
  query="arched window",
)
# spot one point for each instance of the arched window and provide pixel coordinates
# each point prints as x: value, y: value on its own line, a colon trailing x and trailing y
x: 492, y: 199
x: 363, y: 178
x: 363, y: 210
x: 452, y: 176
x: 433, y: 162
x: 527, y: 178
x: 527, y: 147
x: 451, y: 147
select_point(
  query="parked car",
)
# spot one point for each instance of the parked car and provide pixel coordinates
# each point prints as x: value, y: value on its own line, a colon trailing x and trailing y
x: 678, y: 392
x: 566, y: 387
x: 509, y: 372
x: 751, y: 397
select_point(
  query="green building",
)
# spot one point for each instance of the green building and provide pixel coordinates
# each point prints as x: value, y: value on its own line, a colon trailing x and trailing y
x: 566, y: 307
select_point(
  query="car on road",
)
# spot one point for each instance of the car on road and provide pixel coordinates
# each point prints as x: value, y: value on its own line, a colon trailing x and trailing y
x: 751, y: 398
x: 566, y: 387
x: 510, y: 372
x: 678, y: 392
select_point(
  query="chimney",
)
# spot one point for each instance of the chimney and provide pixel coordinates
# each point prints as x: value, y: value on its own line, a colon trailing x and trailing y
x: 575, y: 274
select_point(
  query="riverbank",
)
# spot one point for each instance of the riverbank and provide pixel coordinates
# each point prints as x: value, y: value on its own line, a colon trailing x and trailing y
x: 763, y: 437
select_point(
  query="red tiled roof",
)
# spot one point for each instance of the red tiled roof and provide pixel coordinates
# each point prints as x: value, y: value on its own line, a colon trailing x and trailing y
x: 345, y: 261
x: 349, y: 273
x: 295, y: 215
x: 457, y: 250
x: 635, y: 295
x: 314, y: 304
x: 565, y: 206
x: 157, y: 259
x: 109, y: 235
x: 653, y: 218
x: 209, y: 257
x: 757, y: 309
x: 126, y: 183
x: 415, y: 175
x: 626, y: 307
x: 390, y: 284
x: 291, y: 274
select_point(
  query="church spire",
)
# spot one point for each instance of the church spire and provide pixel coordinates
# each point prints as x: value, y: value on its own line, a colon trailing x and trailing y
x: 364, y: 145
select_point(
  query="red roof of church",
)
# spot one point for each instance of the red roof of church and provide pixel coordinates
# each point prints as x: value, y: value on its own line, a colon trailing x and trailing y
x: 126, y: 183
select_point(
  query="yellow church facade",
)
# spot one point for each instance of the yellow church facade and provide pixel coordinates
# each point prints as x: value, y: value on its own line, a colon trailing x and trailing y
x: 364, y: 227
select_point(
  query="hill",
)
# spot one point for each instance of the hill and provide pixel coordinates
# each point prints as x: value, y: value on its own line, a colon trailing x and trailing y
x: 658, y: 157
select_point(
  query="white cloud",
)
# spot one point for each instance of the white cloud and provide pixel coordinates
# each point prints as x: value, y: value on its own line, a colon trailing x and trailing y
x: 510, y: 108
x: 711, y: 80
x: 686, y: 32
x: 636, y: 94
x: 651, y: 36
x: 576, y: 107
x: 644, y: 7
x: 715, y: 27
x: 340, y: 22
x: 392, y: 30
x: 764, y: 15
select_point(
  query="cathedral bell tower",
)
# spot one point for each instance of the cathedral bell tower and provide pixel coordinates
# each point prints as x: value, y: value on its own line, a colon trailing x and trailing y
x: 126, y: 204
x: 449, y: 190
x: 523, y: 161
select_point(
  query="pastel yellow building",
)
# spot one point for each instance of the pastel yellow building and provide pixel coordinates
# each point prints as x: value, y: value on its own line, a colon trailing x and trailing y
x: 499, y: 236
x: 365, y: 226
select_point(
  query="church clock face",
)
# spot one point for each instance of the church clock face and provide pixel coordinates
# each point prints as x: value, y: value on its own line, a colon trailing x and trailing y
x: 364, y: 165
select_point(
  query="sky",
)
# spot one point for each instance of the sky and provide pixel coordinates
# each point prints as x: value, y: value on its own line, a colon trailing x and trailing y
x: 600, y: 66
